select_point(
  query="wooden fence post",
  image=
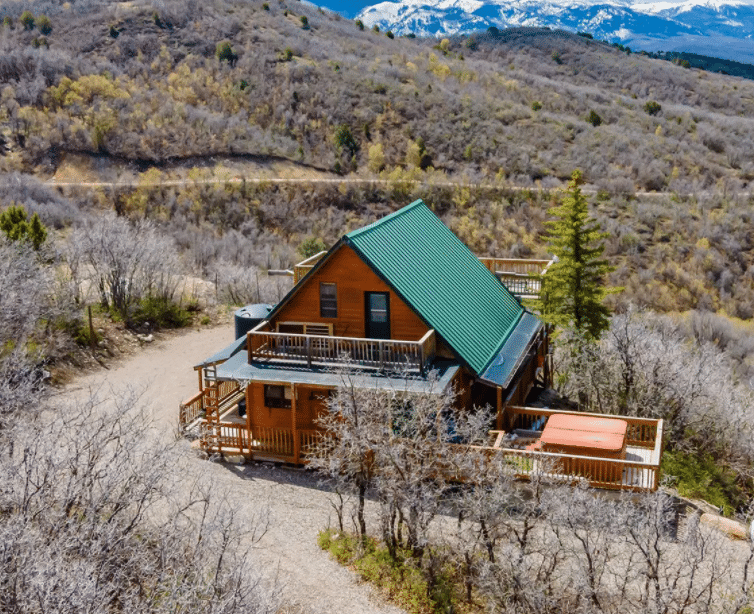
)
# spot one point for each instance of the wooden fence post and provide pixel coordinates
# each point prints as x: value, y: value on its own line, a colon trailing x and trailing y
x: 92, y: 336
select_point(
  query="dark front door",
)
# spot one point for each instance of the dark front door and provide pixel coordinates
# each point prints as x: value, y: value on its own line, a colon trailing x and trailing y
x: 377, y: 315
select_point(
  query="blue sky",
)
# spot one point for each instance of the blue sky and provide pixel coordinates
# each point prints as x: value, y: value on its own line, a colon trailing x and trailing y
x: 347, y: 9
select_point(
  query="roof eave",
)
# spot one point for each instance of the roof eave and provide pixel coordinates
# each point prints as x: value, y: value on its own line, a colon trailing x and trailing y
x: 519, y: 360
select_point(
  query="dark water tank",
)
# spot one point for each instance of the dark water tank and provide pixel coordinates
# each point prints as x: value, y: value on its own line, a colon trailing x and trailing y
x: 248, y: 317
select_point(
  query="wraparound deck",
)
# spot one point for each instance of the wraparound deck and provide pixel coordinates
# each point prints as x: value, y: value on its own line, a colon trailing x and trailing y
x: 639, y: 471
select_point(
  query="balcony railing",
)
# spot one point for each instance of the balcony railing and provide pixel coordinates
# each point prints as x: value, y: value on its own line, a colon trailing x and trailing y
x: 605, y: 473
x: 287, y: 445
x: 642, y: 432
x: 520, y: 276
x: 516, y: 273
x: 303, y: 267
x: 325, y: 350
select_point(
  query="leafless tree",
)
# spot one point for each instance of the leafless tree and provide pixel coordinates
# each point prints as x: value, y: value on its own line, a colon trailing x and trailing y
x: 241, y: 285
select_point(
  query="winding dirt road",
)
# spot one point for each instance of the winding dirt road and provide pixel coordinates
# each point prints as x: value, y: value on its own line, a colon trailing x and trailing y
x: 312, y: 583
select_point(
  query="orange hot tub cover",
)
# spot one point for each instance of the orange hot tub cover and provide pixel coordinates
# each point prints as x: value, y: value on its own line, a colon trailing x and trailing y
x: 585, y: 435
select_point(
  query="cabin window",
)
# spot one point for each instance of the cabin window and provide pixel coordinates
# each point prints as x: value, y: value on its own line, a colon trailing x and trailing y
x: 292, y: 329
x: 328, y: 300
x: 277, y: 396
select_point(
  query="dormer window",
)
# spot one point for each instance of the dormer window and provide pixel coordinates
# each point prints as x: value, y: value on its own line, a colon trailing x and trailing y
x: 328, y: 300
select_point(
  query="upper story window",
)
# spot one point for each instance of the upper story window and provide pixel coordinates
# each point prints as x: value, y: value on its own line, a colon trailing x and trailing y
x: 328, y: 300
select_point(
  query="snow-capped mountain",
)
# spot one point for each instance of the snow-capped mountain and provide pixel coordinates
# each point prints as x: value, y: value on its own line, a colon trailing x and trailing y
x: 721, y: 28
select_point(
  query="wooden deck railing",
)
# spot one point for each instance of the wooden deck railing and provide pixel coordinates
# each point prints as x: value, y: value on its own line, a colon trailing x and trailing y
x: 332, y: 351
x: 267, y: 442
x: 611, y: 474
x: 642, y: 432
x: 520, y: 284
x: 216, y: 437
x: 515, y: 265
x: 521, y: 277
x: 278, y: 444
x: 303, y: 267
x: 308, y: 439
x: 273, y: 442
x: 191, y: 410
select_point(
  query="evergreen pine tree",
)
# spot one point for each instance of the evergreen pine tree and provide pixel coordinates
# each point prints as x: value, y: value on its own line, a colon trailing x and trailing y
x: 573, y: 289
x: 14, y: 224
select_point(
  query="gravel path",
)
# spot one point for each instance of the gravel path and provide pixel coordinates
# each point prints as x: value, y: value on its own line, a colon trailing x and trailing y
x: 312, y: 582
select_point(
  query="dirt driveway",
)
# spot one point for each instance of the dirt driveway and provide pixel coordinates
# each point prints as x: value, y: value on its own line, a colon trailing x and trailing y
x: 312, y: 583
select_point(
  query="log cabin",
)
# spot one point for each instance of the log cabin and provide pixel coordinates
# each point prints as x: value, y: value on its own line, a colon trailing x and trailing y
x: 404, y: 305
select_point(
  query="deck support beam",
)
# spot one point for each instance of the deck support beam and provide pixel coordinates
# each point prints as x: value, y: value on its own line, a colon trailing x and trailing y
x: 296, y: 441
x: 249, y: 406
x: 499, y: 421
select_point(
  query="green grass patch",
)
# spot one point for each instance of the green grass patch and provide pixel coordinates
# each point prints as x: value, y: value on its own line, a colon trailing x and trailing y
x: 160, y: 312
x: 699, y: 476
x: 401, y: 580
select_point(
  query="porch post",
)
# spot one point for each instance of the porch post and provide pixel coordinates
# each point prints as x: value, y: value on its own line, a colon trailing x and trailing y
x: 499, y: 409
x: 248, y: 396
x: 200, y: 372
x: 296, y: 443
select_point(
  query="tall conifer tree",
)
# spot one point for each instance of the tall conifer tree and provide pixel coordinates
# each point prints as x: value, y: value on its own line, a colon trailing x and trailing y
x: 573, y: 289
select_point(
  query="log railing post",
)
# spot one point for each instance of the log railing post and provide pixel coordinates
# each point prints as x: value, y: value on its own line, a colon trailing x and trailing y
x: 296, y: 443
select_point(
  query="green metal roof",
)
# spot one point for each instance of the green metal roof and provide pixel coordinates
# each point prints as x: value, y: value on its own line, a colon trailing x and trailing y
x: 445, y: 284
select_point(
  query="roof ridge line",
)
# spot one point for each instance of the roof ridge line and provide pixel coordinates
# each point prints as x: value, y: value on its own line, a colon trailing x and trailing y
x: 387, y: 218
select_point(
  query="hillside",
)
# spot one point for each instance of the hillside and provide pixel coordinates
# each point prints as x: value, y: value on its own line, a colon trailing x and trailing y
x: 150, y: 90
x: 137, y: 90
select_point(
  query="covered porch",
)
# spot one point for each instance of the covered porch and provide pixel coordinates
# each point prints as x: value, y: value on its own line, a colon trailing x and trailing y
x: 269, y: 411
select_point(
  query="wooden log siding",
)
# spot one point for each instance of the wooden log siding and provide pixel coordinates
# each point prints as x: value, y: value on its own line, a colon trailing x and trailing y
x: 326, y: 350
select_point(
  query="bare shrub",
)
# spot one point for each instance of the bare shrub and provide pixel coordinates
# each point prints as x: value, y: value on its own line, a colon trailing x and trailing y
x: 127, y: 261
x: 107, y: 528
x: 242, y: 285
x: 24, y: 284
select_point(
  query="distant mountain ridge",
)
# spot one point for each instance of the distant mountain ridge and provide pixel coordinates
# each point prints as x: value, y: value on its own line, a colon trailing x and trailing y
x: 720, y: 28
